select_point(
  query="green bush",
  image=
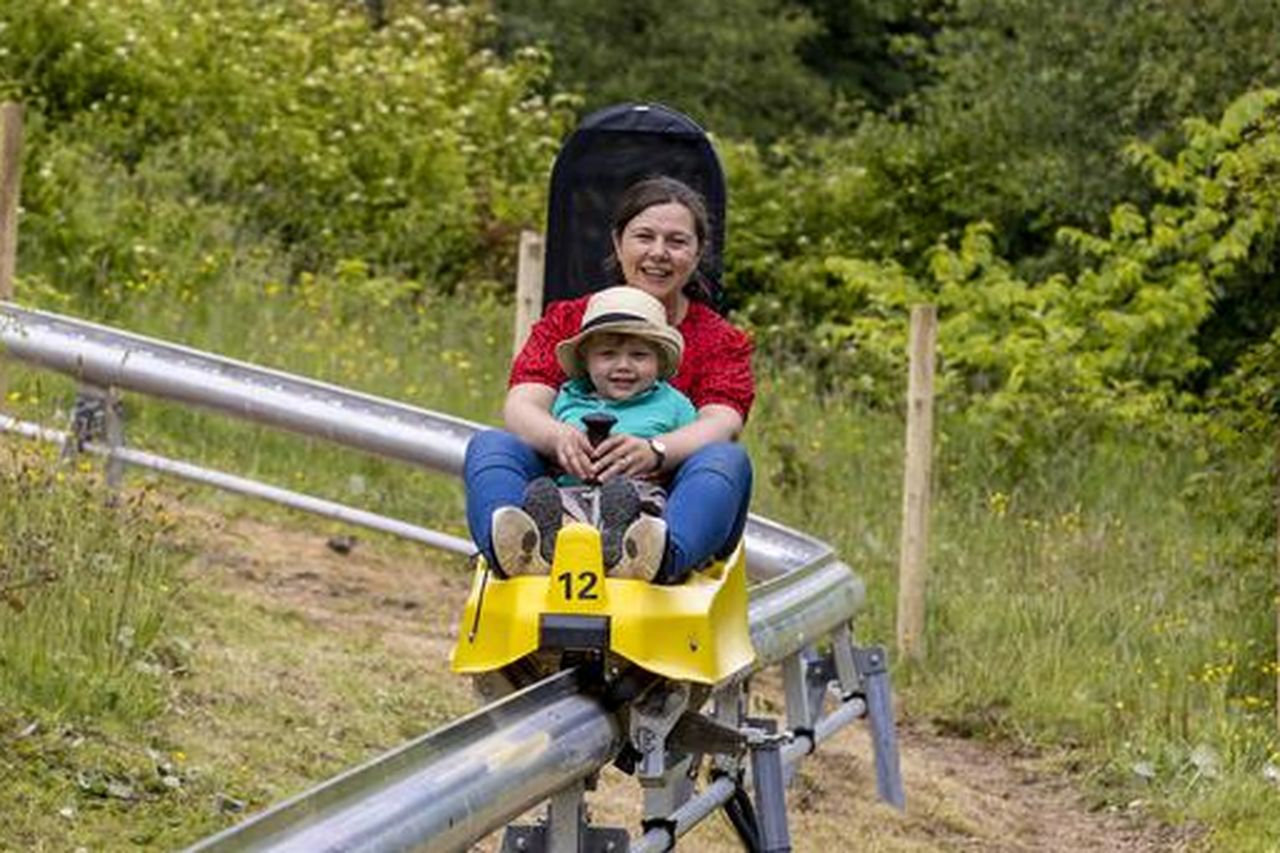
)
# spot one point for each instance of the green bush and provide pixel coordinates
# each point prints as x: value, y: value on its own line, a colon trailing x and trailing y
x: 1131, y: 333
x: 291, y: 122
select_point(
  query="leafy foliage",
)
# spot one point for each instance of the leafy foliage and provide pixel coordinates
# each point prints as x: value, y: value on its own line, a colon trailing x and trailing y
x: 733, y: 66
x: 294, y: 122
x: 1123, y: 337
x: 1032, y: 99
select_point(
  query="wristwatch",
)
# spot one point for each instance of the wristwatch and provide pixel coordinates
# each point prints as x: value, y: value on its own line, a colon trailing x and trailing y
x: 660, y: 451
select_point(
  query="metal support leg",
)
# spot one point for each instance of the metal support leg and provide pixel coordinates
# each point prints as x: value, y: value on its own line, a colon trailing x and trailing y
x: 819, y: 674
x: 770, y: 789
x: 672, y: 790
x: 806, y: 676
x: 564, y: 820
x: 846, y: 667
x: 800, y: 715
x: 115, y: 438
x: 98, y: 415
x: 872, y: 665
x: 565, y: 829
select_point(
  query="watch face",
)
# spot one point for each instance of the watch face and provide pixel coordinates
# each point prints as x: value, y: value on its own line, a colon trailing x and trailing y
x: 658, y: 446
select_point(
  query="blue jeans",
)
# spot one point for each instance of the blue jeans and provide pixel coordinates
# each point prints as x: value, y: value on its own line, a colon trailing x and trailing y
x: 706, y: 508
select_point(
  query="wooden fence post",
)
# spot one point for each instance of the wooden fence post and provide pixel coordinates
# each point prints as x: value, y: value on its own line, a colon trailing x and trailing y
x: 913, y: 554
x: 10, y: 178
x: 10, y: 181
x: 530, y: 267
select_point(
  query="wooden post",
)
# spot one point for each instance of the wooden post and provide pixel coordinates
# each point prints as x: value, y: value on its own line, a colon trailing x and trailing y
x: 1276, y: 597
x: 529, y: 271
x: 912, y: 566
x: 10, y: 178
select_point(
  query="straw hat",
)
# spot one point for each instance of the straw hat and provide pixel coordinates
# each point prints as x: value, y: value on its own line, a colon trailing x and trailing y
x: 626, y: 311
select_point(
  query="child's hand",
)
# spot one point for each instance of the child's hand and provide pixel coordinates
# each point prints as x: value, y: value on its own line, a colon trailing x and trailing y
x: 573, y: 452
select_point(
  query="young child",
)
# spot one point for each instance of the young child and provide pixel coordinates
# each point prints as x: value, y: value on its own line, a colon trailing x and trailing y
x: 617, y: 364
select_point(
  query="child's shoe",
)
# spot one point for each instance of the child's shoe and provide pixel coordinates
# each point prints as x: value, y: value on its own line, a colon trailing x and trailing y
x: 643, y: 546
x: 619, y: 507
x: 516, y: 543
x: 543, y: 504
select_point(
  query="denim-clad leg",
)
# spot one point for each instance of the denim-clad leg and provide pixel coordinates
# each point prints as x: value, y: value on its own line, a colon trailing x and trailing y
x: 497, y: 468
x: 707, y: 508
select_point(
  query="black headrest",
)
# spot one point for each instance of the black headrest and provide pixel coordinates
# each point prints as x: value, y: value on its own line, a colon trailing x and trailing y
x: 612, y: 149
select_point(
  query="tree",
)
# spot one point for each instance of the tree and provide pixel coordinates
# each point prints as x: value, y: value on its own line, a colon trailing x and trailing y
x: 733, y: 65
x: 1033, y: 100
x: 870, y: 52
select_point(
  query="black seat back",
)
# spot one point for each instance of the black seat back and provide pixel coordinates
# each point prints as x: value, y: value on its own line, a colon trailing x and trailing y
x: 612, y: 149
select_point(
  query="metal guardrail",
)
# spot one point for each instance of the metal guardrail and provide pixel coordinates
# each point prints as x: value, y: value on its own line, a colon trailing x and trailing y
x: 448, y: 788
x: 109, y: 358
x: 452, y: 786
x: 459, y: 783
x: 243, y: 486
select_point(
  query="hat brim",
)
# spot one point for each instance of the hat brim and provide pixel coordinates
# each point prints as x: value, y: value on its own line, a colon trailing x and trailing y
x: 669, y: 341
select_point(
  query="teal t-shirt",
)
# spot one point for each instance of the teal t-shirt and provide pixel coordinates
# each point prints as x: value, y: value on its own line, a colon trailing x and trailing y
x: 656, y: 411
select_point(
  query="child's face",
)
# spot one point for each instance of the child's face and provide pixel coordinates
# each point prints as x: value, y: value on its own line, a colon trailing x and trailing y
x: 620, y: 366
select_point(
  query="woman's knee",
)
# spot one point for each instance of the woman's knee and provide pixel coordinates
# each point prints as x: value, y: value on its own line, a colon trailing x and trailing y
x: 495, y: 446
x: 724, y: 458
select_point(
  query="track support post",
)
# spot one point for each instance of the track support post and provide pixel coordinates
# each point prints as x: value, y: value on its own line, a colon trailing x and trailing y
x: 872, y: 666
x: 98, y: 415
x: 767, y: 777
x: 565, y: 829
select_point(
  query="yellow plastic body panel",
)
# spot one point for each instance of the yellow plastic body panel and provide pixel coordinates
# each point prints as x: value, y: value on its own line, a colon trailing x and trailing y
x: 693, y: 632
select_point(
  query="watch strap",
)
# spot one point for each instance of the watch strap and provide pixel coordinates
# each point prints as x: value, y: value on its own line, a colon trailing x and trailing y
x: 658, y: 454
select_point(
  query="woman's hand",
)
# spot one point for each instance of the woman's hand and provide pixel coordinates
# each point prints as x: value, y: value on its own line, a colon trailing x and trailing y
x: 624, y: 456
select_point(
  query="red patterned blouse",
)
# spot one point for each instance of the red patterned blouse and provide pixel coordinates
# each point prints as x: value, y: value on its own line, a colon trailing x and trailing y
x: 716, y: 367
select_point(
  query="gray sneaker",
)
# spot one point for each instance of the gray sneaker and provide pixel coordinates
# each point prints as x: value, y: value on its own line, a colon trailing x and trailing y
x: 643, y: 546
x: 542, y: 503
x: 516, y: 543
x: 619, y: 508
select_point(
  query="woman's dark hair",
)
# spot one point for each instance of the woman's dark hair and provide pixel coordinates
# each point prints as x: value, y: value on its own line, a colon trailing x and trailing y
x: 661, y: 189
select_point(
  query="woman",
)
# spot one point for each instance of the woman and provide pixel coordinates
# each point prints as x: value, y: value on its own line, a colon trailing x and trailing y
x: 659, y: 233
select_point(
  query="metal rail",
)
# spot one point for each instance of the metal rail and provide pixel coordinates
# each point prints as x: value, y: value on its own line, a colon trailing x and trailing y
x: 245, y: 486
x: 448, y: 788
x: 106, y: 357
x: 453, y: 786
x: 459, y: 783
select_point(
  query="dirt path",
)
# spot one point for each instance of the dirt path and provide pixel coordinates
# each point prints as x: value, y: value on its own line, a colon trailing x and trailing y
x: 962, y: 795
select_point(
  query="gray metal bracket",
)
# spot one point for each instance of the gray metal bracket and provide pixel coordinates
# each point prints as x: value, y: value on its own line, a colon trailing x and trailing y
x: 565, y: 830
x: 728, y: 708
x: 695, y: 732
x: 652, y: 718
x: 843, y: 658
x: 98, y: 415
x: 801, y: 709
x: 595, y: 839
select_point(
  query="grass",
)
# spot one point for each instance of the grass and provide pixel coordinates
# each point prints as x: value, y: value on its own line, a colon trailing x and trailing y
x: 247, y: 665
x: 1117, y: 601
x: 1113, y: 598
x: 96, y: 576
